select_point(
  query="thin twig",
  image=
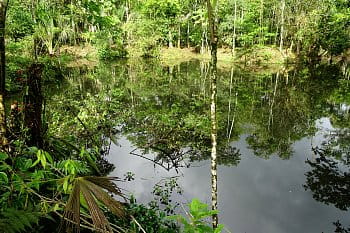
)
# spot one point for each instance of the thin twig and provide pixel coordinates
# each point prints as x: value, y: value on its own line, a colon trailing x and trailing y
x: 117, y: 228
x: 144, y: 157
x: 91, y: 227
x: 138, y: 224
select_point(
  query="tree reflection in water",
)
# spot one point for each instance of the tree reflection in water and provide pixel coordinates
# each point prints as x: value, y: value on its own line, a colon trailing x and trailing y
x: 329, y: 177
x: 328, y: 182
x: 340, y: 228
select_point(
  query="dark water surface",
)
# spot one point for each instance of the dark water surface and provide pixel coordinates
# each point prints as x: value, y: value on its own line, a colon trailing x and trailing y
x: 271, y: 121
x: 259, y: 195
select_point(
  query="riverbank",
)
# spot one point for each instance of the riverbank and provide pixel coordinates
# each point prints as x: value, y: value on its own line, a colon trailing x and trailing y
x: 258, y: 56
x: 252, y: 56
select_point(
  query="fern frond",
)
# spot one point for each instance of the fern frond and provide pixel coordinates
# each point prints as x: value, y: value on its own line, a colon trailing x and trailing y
x: 15, y: 221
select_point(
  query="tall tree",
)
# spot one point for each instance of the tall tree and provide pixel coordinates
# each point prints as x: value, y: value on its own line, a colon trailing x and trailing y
x: 234, y: 29
x: 283, y: 4
x: 212, y: 6
x: 3, y: 10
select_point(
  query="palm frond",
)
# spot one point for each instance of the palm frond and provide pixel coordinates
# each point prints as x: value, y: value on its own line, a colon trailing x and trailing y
x: 106, y: 183
x: 98, y: 218
x: 114, y: 206
x: 72, y: 210
x: 92, y: 189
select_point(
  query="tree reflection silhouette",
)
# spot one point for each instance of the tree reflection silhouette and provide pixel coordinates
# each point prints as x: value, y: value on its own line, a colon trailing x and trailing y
x: 328, y: 182
x: 340, y: 228
x: 329, y: 177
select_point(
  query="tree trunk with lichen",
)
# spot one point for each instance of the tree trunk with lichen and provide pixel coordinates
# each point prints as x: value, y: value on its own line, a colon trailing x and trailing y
x: 213, y: 24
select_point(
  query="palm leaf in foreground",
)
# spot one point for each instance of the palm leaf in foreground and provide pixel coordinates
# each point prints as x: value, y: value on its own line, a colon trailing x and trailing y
x: 92, y: 190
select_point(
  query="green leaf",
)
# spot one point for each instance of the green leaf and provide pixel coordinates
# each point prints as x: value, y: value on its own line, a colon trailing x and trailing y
x: 5, y: 167
x: 28, y: 164
x: 56, y: 207
x: 3, y: 156
x: 219, y: 228
x: 43, y: 161
x: 35, y: 163
x: 41, y: 157
x: 48, y: 157
x: 204, y: 228
x: 3, y: 176
x: 65, y: 185
x: 33, y: 150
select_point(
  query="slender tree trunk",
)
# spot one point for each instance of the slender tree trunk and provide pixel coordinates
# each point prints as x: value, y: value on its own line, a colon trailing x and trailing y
x: 170, y: 38
x: 203, y: 42
x: 3, y: 139
x: 291, y: 46
x: 207, y: 44
x: 3, y: 9
x: 282, y: 24
x: 188, y: 34
x: 179, y: 37
x: 127, y: 13
x: 229, y: 104
x: 35, y: 39
x: 271, y: 25
x: 230, y: 126
x: 272, y: 103
x: 72, y: 23
x: 213, y: 24
x: 234, y: 30
x: 298, y: 47
x: 276, y: 36
x: 261, y: 21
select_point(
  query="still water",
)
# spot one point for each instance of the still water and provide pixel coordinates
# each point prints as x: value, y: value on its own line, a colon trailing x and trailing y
x: 271, y: 122
x: 259, y: 195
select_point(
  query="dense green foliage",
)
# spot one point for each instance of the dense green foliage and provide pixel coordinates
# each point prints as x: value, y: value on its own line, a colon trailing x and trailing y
x: 139, y: 28
x: 164, y: 110
x: 13, y: 220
